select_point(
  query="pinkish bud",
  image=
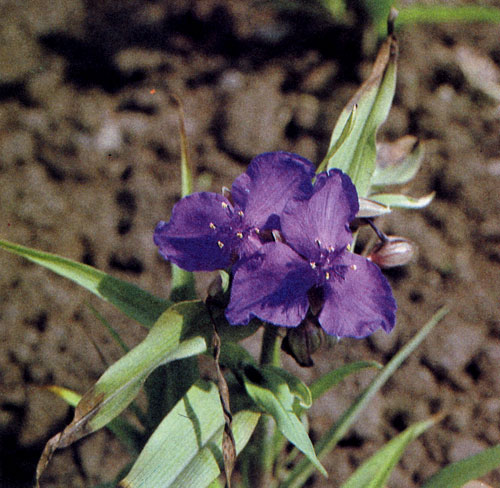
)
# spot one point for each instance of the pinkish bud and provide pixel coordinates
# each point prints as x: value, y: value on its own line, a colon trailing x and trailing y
x: 395, y: 251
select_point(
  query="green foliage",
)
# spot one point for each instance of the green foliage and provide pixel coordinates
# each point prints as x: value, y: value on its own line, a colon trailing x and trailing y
x: 375, y: 472
x: 185, y: 449
x: 303, y: 469
x: 457, y: 474
x: 353, y: 140
x: 134, y: 302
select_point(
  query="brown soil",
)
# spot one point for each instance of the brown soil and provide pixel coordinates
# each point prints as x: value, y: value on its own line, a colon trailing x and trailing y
x: 89, y: 163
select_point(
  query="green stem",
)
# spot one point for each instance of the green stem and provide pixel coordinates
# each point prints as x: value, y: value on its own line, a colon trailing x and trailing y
x: 262, y: 451
x: 271, y: 344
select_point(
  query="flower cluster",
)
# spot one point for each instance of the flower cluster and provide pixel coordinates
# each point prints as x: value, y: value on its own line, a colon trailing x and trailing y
x: 287, y: 241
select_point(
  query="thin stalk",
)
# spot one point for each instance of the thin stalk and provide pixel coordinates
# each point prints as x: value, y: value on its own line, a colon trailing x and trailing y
x: 262, y: 449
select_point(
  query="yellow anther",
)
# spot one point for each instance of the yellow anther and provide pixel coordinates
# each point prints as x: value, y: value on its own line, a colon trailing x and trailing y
x: 212, y: 225
x: 220, y: 244
x: 353, y: 267
x: 327, y: 275
x: 240, y: 213
x: 257, y: 231
x: 313, y: 264
x: 331, y: 248
x: 239, y: 234
x: 224, y: 205
x: 349, y: 247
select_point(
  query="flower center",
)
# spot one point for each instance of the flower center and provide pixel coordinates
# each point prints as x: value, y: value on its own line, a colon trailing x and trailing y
x: 327, y: 266
x: 233, y: 235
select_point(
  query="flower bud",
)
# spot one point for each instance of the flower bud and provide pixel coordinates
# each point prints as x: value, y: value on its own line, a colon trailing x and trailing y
x: 302, y: 341
x: 395, y: 251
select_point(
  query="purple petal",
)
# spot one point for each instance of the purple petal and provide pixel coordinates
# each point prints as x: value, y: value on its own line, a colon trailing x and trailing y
x: 360, y: 302
x: 272, y: 285
x: 192, y: 239
x: 323, y: 220
x: 270, y: 181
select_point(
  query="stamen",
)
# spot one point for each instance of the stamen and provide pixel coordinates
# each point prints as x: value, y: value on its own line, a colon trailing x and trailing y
x: 212, y: 225
x: 318, y: 242
x: 239, y: 234
x: 331, y: 248
x: 224, y: 205
x: 313, y: 265
x: 257, y: 231
x: 240, y: 213
x: 353, y: 267
x: 327, y: 275
x: 220, y: 244
x: 349, y: 247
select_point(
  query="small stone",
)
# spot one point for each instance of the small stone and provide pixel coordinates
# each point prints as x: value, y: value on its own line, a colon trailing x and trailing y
x: 463, y: 447
x: 320, y: 77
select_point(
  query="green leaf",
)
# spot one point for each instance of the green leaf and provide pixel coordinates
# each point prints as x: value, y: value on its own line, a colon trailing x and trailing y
x: 182, y: 331
x: 356, y: 156
x: 457, y: 474
x: 134, y: 302
x: 303, y: 469
x: 333, y: 378
x: 402, y: 160
x: 183, y: 284
x: 272, y: 394
x: 69, y: 396
x: 185, y: 450
x: 122, y: 429
x: 375, y: 472
x: 402, y: 201
x: 335, y: 144
x: 369, y: 208
x: 296, y: 386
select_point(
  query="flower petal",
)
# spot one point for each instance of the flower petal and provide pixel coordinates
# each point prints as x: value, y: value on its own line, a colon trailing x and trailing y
x: 360, y: 302
x: 270, y: 181
x: 323, y: 220
x: 193, y: 238
x: 272, y: 285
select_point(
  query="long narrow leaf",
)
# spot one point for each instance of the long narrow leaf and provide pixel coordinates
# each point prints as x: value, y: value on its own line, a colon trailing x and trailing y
x: 130, y: 299
x: 402, y: 201
x: 303, y: 469
x: 182, y: 331
x: 186, y: 449
x: 457, y: 474
x: 272, y: 394
x: 375, y: 472
x: 183, y: 281
x: 356, y: 156
x: 333, y: 378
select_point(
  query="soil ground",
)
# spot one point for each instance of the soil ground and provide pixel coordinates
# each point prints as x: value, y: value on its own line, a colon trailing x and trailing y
x: 89, y: 162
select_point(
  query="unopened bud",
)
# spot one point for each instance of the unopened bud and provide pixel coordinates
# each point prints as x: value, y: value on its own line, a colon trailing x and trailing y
x: 395, y: 251
x: 302, y: 341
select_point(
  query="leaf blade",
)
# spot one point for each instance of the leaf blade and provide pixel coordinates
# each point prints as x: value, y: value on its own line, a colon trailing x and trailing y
x: 375, y: 472
x: 185, y: 449
x: 133, y: 301
x: 356, y: 156
x: 457, y: 474
x: 303, y: 469
x: 177, y: 334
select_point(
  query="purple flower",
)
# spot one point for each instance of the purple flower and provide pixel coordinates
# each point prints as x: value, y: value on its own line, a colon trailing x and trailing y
x: 208, y: 231
x: 315, y: 268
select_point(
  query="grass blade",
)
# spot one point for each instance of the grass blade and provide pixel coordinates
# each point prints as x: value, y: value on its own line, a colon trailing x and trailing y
x: 303, y: 469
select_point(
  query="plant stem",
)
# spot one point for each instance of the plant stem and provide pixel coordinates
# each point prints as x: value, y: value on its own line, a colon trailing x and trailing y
x: 262, y: 452
x: 271, y: 343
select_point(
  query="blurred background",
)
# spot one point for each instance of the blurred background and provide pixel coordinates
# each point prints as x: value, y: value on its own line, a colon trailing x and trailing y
x: 89, y: 162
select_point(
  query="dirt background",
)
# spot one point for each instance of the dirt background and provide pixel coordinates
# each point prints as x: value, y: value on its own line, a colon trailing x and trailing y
x: 89, y: 153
